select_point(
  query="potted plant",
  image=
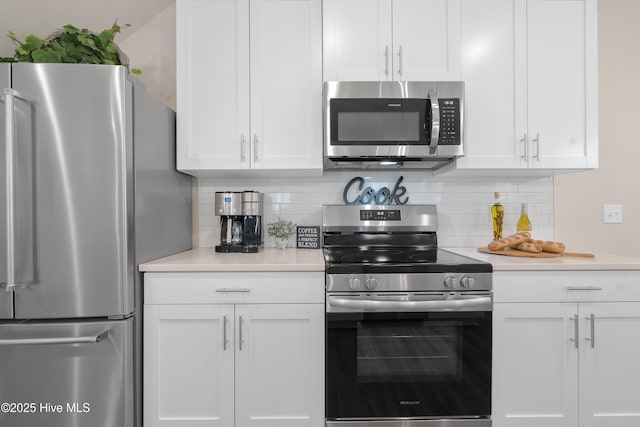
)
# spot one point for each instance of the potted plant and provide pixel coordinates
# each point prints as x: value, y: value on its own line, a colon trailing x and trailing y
x: 281, y: 230
x: 71, y: 45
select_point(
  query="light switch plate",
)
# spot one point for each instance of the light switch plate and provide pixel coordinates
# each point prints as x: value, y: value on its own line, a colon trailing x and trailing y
x: 613, y: 214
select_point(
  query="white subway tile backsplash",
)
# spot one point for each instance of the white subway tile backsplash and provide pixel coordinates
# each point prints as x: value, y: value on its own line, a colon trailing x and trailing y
x: 463, y: 203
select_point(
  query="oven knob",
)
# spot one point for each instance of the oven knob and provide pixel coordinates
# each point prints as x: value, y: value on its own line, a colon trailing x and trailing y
x: 467, y: 281
x: 371, y: 283
x: 354, y: 283
x: 450, y: 282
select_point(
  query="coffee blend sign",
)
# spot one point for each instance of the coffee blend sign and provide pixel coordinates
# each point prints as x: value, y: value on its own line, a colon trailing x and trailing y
x: 355, y: 194
x: 308, y: 237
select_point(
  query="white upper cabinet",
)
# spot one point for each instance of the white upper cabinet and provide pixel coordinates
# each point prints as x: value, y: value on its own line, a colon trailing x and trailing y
x: 488, y: 68
x: 286, y: 84
x: 530, y: 68
x: 249, y: 86
x: 212, y: 66
x: 561, y: 69
x: 372, y: 40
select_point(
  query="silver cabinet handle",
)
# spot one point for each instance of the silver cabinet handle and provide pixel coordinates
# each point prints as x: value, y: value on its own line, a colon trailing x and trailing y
x: 537, y: 141
x: 91, y: 339
x: 525, y: 150
x: 255, y: 147
x: 8, y: 97
x: 592, y: 318
x: 435, y: 121
x: 400, y: 60
x: 576, y: 327
x: 242, y: 141
x: 386, y: 60
x: 584, y: 288
x: 225, y: 340
x: 240, y: 339
x: 230, y: 290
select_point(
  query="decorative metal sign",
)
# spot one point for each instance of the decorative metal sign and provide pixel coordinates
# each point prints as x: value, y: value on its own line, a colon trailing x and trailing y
x: 369, y: 196
x: 308, y: 237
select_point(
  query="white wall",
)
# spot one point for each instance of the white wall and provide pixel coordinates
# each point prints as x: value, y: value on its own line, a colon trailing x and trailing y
x: 579, y: 198
x: 152, y: 49
x: 463, y: 203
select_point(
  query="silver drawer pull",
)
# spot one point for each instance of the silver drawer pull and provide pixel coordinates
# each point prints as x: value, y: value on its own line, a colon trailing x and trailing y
x: 231, y: 290
x: 225, y: 340
x: 592, y: 319
x: 584, y: 288
x: 240, y: 338
x: 575, y: 331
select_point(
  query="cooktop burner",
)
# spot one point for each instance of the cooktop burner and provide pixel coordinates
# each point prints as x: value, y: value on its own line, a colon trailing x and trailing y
x: 353, y: 260
x: 359, y: 241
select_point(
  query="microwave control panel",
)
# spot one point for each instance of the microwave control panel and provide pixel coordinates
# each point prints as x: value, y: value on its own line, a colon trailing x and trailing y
x: 450, y: 119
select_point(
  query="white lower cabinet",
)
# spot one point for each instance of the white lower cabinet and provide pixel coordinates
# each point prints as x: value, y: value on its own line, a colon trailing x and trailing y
x: 226, y: 359
x: 566, y: 347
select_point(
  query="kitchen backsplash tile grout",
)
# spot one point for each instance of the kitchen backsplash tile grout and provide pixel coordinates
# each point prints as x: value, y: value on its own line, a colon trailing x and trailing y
x: 463, y: 203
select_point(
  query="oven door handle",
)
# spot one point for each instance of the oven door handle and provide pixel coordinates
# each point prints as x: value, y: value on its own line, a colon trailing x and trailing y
x: 481, y: 303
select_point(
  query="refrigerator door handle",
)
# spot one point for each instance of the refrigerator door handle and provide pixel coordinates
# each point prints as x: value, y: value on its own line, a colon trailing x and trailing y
x: 8, y: 96
x: 90, y: 339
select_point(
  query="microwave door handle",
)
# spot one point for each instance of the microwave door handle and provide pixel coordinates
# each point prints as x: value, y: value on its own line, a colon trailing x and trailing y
x: 435, y: 121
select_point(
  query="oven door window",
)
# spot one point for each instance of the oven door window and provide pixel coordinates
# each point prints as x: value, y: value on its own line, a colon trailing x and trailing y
x: 408, y: 364
x: 380, y: 122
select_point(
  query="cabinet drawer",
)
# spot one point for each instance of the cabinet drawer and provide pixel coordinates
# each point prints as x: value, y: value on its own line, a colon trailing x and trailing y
x: 566, y: 286
x: 234, y: 288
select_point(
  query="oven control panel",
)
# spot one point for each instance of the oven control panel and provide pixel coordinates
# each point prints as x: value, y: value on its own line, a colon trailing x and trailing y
x: 380, y: 215
x: 409, y: 282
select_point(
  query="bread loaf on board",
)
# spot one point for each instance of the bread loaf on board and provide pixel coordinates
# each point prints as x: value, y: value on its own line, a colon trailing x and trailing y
x: 553, y: 247
x: 529, y: 246
x: 509, y: 242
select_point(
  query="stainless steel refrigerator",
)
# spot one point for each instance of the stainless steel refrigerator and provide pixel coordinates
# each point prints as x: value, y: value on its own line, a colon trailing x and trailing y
x: 89, y: 191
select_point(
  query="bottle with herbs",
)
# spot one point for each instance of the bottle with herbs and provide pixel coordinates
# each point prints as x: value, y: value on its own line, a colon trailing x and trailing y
x: 497, y: 216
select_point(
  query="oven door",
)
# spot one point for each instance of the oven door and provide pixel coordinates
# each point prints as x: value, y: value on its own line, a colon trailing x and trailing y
x: 408, y: 364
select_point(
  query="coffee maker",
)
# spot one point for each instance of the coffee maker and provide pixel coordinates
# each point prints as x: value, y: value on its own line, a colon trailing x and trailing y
x: 240, y: 221
x: 252, y: 202
x: 228, y: 206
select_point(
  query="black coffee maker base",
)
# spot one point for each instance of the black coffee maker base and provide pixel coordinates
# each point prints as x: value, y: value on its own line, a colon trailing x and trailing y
x: 228, y: 249
x: 251, y: 249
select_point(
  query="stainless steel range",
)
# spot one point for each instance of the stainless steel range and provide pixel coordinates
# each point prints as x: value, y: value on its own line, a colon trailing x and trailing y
x: 408, y: 325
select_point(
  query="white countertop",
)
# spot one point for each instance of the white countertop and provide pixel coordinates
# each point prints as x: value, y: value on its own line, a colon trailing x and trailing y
x: 602, y: 261
x: 291, y: 259
x: 269, y: 259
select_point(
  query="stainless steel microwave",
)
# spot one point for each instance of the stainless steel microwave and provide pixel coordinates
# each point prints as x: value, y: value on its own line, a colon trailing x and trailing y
x: 392, y: 124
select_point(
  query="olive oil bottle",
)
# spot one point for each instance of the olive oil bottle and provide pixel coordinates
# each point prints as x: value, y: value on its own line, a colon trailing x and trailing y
x: 497, y: 216
x: 524, y: 224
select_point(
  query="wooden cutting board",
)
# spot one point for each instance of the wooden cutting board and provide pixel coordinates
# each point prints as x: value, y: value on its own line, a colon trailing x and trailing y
x: 519, y: 253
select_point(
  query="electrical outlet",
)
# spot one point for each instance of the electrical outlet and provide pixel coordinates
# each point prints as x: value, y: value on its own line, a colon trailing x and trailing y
x: 613, y: 214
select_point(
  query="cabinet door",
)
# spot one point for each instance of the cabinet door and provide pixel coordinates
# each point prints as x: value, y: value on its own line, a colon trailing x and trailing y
x: 609, y: 368
x: 286, y: 84
x: 488, y: 70
x: 280, y: 365
x: 357, y: 40
x: 212, y: 66
x: 535, y: 365
x: 426, y: 40
x: 188, y: 368
x: 562, y: 83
